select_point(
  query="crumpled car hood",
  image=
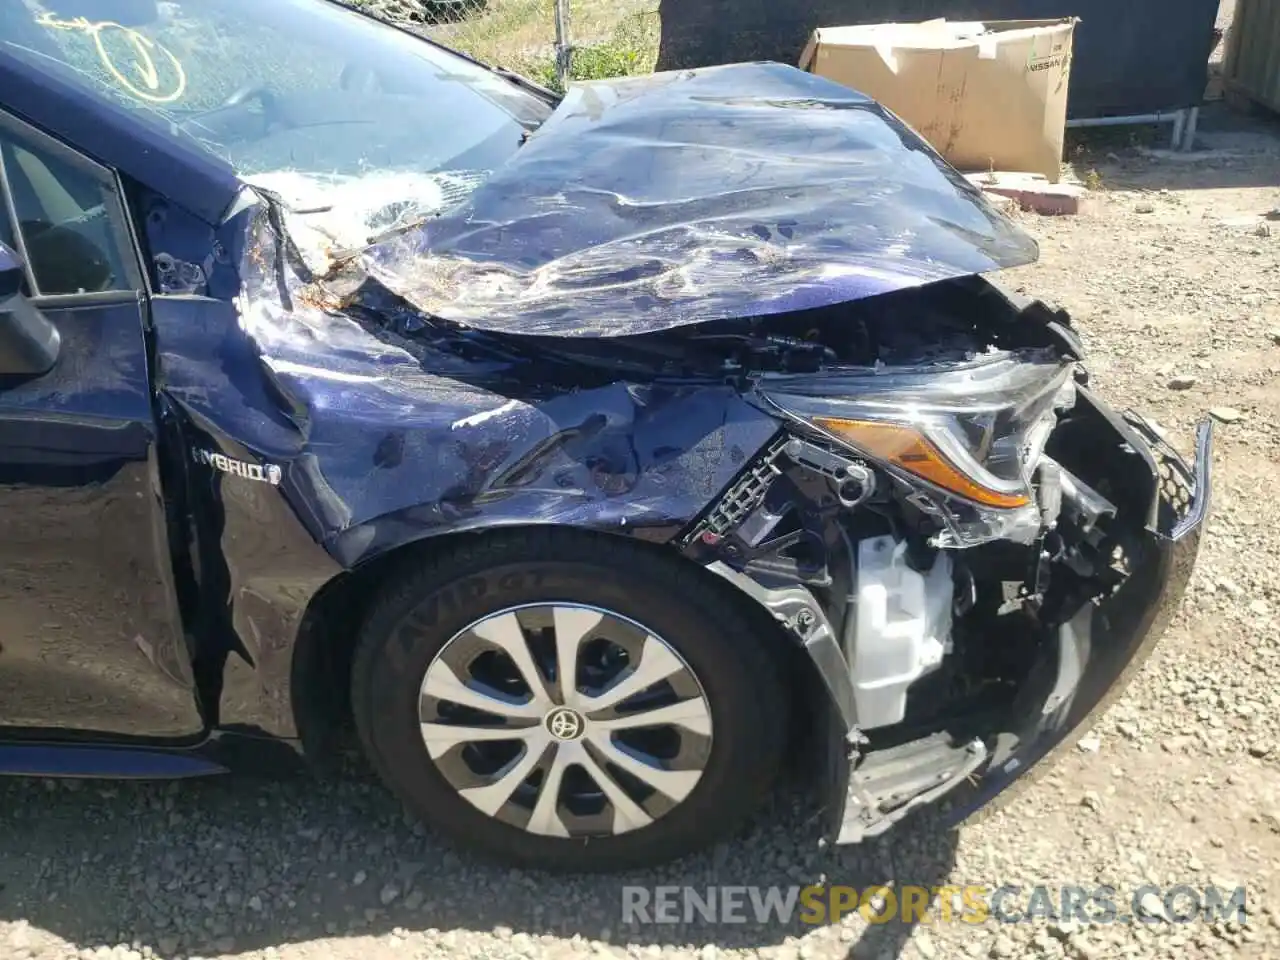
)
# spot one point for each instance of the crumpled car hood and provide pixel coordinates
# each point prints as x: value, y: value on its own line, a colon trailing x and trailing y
x: 644, y: 204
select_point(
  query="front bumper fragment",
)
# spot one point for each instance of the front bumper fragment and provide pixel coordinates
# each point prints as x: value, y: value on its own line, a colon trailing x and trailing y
x: 1103, y: 647
x: 1093, y: 659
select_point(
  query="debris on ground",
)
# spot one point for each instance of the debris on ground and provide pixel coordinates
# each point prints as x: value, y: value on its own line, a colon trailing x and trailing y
x: 1033, y: 192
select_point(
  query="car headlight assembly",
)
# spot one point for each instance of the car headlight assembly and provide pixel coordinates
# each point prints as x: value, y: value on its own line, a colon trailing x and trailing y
x: 966, y: 438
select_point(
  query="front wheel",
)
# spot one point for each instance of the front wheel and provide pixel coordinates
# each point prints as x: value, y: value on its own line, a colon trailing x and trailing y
x: 569, y: 702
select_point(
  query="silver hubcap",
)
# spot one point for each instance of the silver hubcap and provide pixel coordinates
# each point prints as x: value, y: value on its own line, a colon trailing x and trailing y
x: 565, y: 720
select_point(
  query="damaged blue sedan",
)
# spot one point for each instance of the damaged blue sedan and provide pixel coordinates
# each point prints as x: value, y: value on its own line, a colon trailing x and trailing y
x: 585, y: 455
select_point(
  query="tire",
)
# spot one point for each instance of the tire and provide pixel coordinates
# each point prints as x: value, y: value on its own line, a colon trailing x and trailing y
x: 423, y: 619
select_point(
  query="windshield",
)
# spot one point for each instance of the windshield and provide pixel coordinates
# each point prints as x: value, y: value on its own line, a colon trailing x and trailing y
x: 303, y: 96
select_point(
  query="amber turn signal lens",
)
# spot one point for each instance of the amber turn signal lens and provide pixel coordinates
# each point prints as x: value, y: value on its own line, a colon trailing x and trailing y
x: 907, y: 448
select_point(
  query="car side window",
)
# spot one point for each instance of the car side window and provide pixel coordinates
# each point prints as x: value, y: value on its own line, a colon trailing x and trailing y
x: 63, y: 215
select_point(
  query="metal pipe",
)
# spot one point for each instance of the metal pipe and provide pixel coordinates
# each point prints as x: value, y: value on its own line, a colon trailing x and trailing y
x: 1184, y: 124
x: 1189, y: 134
x: 1133, y: 120
x: 564, y: 52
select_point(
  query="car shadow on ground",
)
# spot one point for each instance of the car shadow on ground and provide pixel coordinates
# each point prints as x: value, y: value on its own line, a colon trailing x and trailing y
x: 239, y: 863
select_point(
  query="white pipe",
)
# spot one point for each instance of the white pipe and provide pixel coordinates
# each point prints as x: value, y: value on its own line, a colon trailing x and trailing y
x: 1184, y: 124
x: 1133, y: 120
x: 1189, y: 134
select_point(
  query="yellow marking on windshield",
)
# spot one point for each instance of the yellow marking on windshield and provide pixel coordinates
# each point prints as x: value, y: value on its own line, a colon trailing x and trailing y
x: 145, y: 66
x: 148, y: 85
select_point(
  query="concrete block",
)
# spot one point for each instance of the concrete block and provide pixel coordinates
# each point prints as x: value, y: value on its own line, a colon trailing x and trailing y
x: 1031, y: 191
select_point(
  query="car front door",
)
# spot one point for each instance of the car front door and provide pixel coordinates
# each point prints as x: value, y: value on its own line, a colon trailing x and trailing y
x: 90, y: 637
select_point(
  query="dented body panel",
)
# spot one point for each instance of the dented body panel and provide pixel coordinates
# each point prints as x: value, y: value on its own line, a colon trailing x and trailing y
x: 647, y: 203
x: 383, y: 439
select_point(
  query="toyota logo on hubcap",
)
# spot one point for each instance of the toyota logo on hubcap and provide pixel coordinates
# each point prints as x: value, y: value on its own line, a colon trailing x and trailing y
x: 565, y: 724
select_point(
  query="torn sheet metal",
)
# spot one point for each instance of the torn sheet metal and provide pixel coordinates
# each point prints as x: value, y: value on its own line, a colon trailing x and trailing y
x: 649, y: 203
x: 388, y: 426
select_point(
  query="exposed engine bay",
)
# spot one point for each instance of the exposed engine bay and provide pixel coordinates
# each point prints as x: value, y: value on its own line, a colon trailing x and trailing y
x: 951, y: 321
x: 934, y: 616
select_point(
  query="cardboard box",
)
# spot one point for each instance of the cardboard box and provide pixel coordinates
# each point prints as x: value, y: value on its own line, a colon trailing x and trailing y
x: 986, y: 95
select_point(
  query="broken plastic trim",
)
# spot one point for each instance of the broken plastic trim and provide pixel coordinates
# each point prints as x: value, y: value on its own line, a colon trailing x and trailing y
x: 1102, y: 648
x: 799, y: 612
x: 889, y: 784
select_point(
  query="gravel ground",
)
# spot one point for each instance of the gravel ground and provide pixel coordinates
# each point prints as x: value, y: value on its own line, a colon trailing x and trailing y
x: 1174, y: 277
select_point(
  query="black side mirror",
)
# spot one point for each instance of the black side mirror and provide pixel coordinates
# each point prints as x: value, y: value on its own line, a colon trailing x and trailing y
x: 29, y: 343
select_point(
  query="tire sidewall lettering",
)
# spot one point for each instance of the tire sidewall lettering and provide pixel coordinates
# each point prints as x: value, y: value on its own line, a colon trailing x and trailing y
x: 441, y: 615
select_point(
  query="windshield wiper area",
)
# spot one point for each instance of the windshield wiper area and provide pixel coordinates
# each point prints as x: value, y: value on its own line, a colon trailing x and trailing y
x: 520, y: 80
x: 387, y: 234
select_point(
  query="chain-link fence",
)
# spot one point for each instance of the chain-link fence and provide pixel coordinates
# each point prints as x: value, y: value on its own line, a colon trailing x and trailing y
x: 547, y: 40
